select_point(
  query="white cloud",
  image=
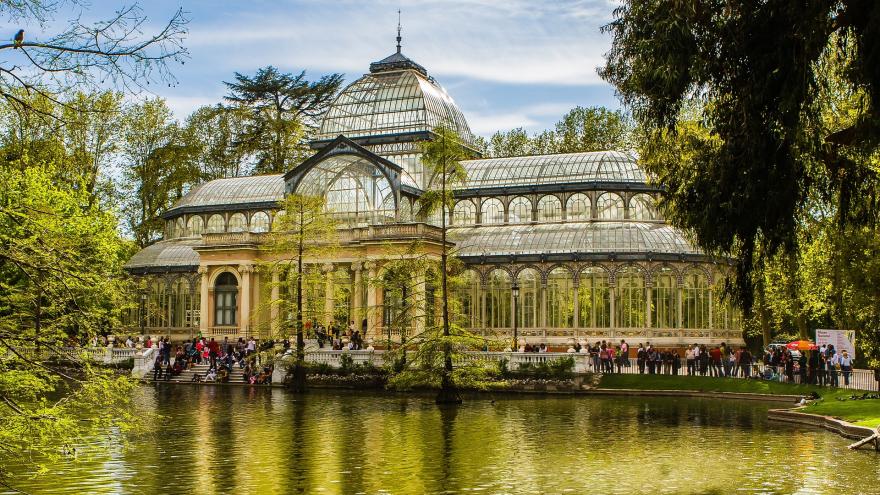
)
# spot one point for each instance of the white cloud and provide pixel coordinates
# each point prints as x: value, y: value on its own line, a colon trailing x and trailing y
x: 514, y: 41
x: 530, y: 117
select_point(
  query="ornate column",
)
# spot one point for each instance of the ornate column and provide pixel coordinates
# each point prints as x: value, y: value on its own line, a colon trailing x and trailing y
x: 255, y: 320
x: 680, y: 320
x: 273, y: 305
x: 543, y: 294
x: 244, y: 304
x: 577, y: 305
x: 612, y: 299
x: 711, y: 304
x: 327, y: 270
x: 649, y: 293
x: 204, y: 311
x: 372, y: 301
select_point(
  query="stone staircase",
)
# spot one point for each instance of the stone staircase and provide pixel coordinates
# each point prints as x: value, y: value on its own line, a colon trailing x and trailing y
x: 237, y: 375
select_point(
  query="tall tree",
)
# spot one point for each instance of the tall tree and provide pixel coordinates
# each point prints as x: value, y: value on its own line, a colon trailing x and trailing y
x: 305, y: 231
x: 157, y: 167
x: 442, y: 158
x: 283, y: 110
x: 758, y: 67
x: 212, y: 131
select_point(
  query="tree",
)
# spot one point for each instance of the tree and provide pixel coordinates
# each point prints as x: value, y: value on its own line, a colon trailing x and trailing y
x: 157, y: 167
x: 592, y: 129
x: 211, y: 131
x: 60, y: 260
x: 116, y: 51
x: 579, y: 130
x: 442, y: 156
x: 758, y: 68
x: 306, y: 230
x: 282, y: 111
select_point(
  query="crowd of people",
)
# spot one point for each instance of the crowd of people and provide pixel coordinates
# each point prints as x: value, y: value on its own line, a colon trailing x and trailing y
x: 333, y: 335
x: 221, y: 358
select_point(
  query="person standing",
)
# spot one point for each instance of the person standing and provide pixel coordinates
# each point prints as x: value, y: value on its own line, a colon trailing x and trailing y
x: 689, y: 360
x: 745, y: 362
x: 802, y: 368
x: 624, y: 353
x: 845, y: 366
x: 641, y: 355
x: 832, y: 360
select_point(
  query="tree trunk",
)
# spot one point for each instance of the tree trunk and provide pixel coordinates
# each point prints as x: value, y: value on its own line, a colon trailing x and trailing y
x: 448, y: 393
x: 298, y: 384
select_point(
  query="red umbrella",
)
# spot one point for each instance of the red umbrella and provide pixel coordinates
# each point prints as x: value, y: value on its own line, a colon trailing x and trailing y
x: 802, y: 345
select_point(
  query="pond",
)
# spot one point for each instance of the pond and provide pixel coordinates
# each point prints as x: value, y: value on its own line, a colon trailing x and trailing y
x: 219, y: 440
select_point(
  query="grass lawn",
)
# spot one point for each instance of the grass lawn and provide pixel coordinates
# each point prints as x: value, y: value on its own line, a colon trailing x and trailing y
x: 860, y: 412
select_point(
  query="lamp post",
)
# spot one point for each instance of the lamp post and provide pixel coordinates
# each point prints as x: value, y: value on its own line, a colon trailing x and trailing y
x: 143, y: 311
x: 515, y: 291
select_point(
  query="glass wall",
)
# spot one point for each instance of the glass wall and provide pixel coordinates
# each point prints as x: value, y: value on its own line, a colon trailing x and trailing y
x: 465, y: 213
x: 629, y: 298
x: 492, y: 211
x: 498, y: 300
x: 520, y: 210
x: 642, y: 207
x: 560, y: 298
x: 664, y: 309
x: 529, y: 281
x: 578, y: 207
x: 466, y: 296
x: 610, y: 206
x: 549, y: 209
x: 696, y: 296
x: 594, y: 299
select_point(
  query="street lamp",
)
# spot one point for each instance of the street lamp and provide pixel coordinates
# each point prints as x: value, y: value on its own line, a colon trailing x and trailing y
x: 515, y: 291
x: 143, y: 311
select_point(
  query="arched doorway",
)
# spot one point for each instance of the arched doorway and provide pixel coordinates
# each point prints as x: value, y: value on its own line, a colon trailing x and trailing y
x: 225, y: 300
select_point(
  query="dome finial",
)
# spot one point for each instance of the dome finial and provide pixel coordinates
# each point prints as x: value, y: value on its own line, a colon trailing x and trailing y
x: 398, y: 31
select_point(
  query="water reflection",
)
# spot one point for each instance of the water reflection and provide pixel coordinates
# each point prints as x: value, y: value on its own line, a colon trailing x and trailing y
x: 219, y: 440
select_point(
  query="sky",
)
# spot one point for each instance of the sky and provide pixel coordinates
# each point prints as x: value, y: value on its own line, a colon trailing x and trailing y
x: 507, y: 63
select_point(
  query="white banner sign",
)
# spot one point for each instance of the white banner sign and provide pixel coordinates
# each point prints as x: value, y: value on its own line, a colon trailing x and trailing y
x: 840, y: 339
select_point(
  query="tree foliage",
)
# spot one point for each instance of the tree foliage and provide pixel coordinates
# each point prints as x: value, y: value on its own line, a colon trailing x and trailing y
x: 282, y: 110
x: 579, y: 130
x: 760, y: 120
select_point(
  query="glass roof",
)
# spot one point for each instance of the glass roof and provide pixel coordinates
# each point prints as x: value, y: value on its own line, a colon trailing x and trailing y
x: 391, y: 103
x: 596, y: 166
x: 237, y: 190
x: 164, y: 254
x: 592, y: 237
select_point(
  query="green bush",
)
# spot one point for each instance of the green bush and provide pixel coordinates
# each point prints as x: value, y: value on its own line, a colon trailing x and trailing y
x: 559, y: 369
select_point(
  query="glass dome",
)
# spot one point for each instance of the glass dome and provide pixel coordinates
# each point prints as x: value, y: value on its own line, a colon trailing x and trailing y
x: 392, y: 99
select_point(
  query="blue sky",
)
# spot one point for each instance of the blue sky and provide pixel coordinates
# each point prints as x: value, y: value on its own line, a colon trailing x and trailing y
x: 507, y: 63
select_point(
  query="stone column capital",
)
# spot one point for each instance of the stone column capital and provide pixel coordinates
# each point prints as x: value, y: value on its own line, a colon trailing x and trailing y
x: 202, y: 270
x: 245, y: 268
x: 357, y: 266
x: 327, y: 268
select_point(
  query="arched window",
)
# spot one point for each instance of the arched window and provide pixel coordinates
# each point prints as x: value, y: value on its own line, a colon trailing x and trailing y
x: 225, y: 300
x: 465, y: 213
x: 406, y: 210
x: 549, y: 209
x: 629, y: 298
x: 237, y: 223
x: 641, y: 207
x: 594, y: 299
x: 578, y: 208
x: 529, y: 308
x: 180, y: 228
x: 181, y: 303
x: 609, y: 206
x: 696, y: 296
x: 492, y: 211
x: 664, y: 308
x: 216, y: 224
x: 157, y: 304
x: 196, y: 225
x: 560, y: 298
x: 520, y: 210
x: 498, y: 300
x: 436, y: 219
x: 466, y: 293
x: 260, y: 222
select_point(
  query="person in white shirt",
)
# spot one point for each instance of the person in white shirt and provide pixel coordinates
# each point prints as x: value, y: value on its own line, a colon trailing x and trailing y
x: 845, y: 366
x: 251, y: 346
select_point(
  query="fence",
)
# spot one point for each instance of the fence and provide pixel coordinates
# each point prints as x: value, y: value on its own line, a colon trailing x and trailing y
x: 857, y: 379
x: 105, y: 355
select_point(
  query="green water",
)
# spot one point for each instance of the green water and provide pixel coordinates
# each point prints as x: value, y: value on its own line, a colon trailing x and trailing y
x: 225, y: 440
